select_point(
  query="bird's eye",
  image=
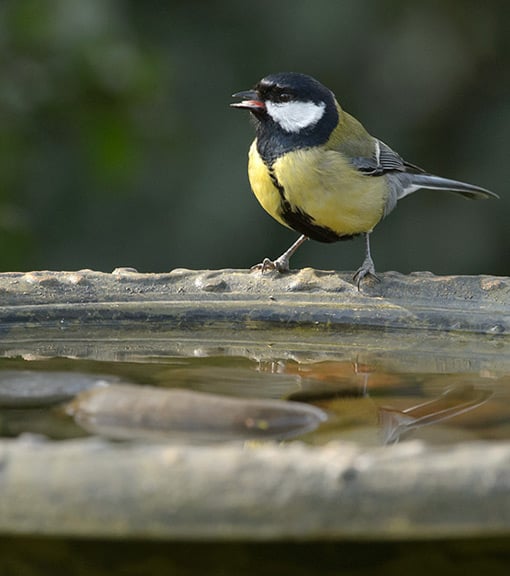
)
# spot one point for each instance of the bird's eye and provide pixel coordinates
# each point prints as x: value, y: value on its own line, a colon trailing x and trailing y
x: 285, y: 97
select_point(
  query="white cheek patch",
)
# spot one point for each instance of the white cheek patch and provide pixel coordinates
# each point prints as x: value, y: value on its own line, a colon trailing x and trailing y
x: 295, y: 116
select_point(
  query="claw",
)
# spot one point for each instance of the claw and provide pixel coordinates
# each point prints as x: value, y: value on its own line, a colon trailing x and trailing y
x: 367, y: 268
x: 281, y: 264
x: 362, y: 272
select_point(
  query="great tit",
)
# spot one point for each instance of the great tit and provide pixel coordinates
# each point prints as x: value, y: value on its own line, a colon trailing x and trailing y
x: 315, y: 169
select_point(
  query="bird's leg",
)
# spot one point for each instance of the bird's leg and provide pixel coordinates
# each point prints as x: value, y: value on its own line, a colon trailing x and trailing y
x: 367, y: 268
x: 282, y: 263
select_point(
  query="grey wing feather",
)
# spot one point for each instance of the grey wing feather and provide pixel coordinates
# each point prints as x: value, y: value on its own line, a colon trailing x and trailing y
x: 386, y: 161
x: 405, y: 178
x: 383, y: 160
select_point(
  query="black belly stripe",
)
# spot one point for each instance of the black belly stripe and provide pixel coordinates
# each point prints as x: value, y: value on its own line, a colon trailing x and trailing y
x: 276, y: 182
x: 300, y: 221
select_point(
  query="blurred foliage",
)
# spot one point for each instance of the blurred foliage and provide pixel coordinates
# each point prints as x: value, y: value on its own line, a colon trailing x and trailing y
x: 117, y: 145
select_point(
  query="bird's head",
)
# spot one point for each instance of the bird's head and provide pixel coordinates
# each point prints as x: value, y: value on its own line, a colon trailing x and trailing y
x: 294, y: 103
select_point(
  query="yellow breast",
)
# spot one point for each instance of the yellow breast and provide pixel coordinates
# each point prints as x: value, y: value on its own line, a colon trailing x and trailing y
x: 262, y: 185
x: 323, y: 184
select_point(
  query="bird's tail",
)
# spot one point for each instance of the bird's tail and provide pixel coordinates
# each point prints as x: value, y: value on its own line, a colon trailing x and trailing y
x: 417, y: 181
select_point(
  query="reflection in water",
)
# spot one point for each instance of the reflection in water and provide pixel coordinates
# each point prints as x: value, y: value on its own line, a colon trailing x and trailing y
x: 368, y: 404
x: 395, y: 424
x: 372, y: 406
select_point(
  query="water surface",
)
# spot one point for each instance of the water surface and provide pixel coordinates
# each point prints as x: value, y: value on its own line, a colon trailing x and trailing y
x: 370, y: 404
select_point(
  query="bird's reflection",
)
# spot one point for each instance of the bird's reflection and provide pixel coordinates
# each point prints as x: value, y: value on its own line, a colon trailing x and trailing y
x: 454, y: 401
x: 363, y: 397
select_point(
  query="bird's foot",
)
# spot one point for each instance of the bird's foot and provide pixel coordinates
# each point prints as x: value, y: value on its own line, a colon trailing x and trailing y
x: 281, y: 264
x: 366, y: 269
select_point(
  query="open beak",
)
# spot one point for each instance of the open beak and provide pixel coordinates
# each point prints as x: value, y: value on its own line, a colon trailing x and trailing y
x: 250, y: 101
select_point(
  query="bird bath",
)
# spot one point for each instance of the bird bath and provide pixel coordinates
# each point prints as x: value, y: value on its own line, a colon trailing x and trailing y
x: 251, y: 411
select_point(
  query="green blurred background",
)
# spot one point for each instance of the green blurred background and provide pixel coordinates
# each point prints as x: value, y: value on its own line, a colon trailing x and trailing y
x: 118, y: 147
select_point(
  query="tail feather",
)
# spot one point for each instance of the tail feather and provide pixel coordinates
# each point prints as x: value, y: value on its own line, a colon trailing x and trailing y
x: 417, y: 181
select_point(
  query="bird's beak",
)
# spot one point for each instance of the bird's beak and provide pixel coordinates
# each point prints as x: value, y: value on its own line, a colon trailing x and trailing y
x: 250, y: 101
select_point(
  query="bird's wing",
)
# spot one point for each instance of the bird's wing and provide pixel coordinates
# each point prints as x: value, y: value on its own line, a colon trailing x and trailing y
x: 383, y: 160
x: 404, y: 178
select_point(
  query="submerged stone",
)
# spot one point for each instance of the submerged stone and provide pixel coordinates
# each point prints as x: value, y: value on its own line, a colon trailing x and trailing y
x: 32, y: 388
x: 124, y: 411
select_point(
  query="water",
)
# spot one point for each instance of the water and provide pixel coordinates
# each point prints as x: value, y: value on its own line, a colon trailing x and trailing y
x: 373, y: 391
x: 369, y: 404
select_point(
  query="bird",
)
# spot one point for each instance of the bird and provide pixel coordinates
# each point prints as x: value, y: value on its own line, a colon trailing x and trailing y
x: 315, y: 168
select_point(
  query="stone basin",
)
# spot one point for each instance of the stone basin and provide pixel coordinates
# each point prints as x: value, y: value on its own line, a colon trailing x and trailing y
x: 94, y: 487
